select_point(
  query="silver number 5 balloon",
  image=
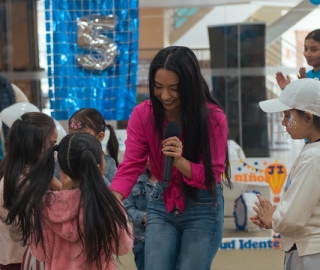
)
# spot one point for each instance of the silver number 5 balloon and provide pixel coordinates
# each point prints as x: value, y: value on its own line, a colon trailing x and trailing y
x: 92, y: 36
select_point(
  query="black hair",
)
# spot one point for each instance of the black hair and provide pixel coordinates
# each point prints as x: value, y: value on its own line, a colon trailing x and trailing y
x: 28, y: 137
x: 93, y: 119
x: 194, y: 94
x: 315, y: 35
x: 79, y: 155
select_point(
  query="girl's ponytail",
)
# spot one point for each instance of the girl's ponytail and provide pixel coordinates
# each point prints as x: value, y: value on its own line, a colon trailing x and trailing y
x: 26, y: 208
x: 113, y: 144
x: 80, y: 157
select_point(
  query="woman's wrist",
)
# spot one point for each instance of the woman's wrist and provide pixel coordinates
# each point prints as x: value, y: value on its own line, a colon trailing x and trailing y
x: 183, y: 165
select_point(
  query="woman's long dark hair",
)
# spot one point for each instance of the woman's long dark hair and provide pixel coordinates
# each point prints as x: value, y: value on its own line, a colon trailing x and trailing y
x: 93, y: 119
x: 79, y: 155
x: 194, y: 95
x: 28, y: 137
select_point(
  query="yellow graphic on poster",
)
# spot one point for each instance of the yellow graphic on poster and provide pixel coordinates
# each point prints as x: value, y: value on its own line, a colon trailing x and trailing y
x: 260, y: 171
x: 276, y: 174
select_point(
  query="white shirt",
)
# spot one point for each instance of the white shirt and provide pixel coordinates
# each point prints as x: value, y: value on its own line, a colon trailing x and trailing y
x: 297, y: 218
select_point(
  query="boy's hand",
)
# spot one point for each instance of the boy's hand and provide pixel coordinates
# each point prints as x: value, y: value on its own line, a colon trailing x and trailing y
x: 282, y: 80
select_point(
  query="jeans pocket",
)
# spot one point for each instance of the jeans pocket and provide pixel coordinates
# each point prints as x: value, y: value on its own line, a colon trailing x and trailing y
x: 204, y: 201
x: 205, y: 198
x: 140, y: 199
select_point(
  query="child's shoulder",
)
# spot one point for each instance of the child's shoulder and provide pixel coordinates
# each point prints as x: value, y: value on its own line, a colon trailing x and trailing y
x: 143, y: 178
x: 310, y: 152
x: 108, y: 158
x: 141, y: 182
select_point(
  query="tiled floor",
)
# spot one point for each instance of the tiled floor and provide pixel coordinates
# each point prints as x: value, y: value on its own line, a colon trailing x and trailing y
x: 263, y: 259
x: 267, y: 259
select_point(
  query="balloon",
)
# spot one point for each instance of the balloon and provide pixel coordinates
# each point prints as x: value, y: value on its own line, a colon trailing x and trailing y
x: 13, y: 112
x: 276, y: 174
x: 90, y: 37
x: 60, y: 129
x: 315, y: 2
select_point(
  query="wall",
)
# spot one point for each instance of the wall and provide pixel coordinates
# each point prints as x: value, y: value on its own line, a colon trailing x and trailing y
x: 197, y: 36
x: 151, y: 32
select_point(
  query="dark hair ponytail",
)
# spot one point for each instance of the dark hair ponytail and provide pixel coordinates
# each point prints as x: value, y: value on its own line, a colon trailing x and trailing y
x: 103, y: 214
x: 27, y: 204
x: 100, y: 225
x: 113, y: 144
x: 27, y: 139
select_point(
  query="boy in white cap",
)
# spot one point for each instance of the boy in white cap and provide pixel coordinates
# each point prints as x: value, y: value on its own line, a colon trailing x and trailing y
x: 297, y: 218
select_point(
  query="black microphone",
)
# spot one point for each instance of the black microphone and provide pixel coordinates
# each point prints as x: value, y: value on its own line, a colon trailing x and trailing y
x: 172, y: 129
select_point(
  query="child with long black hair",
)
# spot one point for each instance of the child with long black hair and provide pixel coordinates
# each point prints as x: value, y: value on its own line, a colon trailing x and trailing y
x: 91, y: 121
x: 79, y: 228
x: 28, y: 137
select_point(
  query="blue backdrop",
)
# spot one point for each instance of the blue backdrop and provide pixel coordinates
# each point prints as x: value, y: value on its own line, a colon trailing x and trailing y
x: 71, y: 86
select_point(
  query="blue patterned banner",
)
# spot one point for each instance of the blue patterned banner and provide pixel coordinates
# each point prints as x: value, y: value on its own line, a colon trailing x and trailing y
x: 92, y: 52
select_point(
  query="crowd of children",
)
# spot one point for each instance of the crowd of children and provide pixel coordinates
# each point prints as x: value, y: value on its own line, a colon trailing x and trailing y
x: 74, y: 211
x: 58, y: 212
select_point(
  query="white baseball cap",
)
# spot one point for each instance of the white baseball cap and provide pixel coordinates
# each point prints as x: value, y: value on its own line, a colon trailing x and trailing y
x: 302, y: 94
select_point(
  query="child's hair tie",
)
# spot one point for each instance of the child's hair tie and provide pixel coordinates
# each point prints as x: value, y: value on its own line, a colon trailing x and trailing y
x: 77, y: 125
x: 20, y: 118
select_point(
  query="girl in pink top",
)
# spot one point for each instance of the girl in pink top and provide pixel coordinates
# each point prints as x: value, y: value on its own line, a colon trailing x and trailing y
x: 185, y: 220
x: 84, y: 225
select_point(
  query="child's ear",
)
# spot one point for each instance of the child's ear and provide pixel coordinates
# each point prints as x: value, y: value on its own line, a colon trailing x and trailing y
x: 100, y: 136
x: 308, y: 117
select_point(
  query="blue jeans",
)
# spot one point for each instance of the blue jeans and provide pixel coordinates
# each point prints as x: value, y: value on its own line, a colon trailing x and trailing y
x: 138, y: 251
x: 193, y: 236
